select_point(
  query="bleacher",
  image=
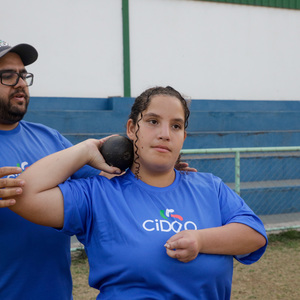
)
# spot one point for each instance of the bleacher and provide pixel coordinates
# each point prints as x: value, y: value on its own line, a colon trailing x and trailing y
x: 269, y: 183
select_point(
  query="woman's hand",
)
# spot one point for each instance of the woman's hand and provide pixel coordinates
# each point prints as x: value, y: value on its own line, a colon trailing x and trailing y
x: 184, y: 245
x: 96, y: 159
x: 229, y: 239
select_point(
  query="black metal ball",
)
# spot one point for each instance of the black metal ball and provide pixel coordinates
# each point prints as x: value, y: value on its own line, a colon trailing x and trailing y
x: 118, y: 152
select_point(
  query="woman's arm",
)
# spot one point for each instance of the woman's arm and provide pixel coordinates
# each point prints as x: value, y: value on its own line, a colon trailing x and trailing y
x: 41, y: 201
x: 230, y: 239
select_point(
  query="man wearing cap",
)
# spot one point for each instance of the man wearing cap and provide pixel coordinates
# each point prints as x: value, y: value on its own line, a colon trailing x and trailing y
x: 34, y: 260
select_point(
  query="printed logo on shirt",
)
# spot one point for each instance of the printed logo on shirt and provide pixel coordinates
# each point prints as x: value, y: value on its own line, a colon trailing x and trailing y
x: 23, y: 166
x: 169, y: 222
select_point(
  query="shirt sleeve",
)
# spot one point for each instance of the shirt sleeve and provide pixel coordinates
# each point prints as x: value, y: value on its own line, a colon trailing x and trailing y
x: 235, y: 210
x: 77, y: 207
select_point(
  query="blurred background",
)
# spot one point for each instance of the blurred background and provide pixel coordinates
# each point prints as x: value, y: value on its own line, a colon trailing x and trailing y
x: 237, y: 61
x: 205, y: 49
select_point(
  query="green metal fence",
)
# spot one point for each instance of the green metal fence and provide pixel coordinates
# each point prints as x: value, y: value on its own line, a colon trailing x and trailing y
x: 292, y: 4
x: 267, y: 178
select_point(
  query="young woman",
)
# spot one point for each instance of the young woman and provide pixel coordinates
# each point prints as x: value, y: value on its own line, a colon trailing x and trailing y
x: 154, y: 232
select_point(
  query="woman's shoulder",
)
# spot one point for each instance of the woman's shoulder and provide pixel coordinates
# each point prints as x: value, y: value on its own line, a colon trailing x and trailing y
x: 201, y: 179
x: 199, y: 175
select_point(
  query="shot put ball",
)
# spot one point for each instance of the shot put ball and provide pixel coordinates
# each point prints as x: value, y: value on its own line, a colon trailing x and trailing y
x: 118, y: 152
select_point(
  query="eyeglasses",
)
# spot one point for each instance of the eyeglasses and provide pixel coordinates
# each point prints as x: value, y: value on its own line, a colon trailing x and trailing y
x: 11, y: 78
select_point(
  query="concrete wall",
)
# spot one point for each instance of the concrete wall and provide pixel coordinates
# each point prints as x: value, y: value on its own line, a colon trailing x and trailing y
x: 212, y: 124
x: 206, y: 50
x: 270, y: 184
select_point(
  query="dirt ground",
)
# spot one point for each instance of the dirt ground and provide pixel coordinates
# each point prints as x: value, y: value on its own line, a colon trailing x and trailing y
x: 274, y: 277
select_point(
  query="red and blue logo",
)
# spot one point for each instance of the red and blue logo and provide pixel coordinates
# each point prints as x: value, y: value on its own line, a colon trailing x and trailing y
x: 169, y: 213
x: 170, y: 222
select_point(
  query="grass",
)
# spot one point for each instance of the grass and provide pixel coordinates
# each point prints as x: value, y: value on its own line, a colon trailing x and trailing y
x: 274, y: 277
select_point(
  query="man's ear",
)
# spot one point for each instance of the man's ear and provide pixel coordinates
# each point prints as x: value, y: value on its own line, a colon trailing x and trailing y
x: 130, y: 130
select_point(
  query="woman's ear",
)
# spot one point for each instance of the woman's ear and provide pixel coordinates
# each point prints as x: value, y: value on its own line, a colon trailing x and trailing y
x: 130, y: 130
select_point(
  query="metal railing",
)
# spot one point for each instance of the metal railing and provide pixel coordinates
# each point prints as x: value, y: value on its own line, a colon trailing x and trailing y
x: 286, y: 218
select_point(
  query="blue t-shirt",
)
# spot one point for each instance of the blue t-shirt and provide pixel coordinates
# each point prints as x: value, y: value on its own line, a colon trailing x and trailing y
x: 34, y: 260
x: 124, y: 224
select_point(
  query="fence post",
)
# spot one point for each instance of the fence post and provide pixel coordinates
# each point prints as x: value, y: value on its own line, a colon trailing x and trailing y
x: 237, y: 173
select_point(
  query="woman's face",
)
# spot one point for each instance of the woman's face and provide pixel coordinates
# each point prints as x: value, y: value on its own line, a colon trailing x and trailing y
x: 161, y: 134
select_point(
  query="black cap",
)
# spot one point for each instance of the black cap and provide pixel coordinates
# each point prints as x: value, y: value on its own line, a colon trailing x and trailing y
x: 27, y: 52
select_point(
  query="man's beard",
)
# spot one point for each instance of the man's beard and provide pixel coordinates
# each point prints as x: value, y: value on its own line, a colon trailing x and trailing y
x: 12, y: 114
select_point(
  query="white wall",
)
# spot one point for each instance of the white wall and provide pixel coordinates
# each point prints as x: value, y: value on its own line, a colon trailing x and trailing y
x: 205, y: 50
x: 79, y: 44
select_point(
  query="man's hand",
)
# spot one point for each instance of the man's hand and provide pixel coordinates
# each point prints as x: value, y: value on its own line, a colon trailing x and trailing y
x: 9, y: 187
x: 184, y: 245
x: 183, y: 166
x: 109, y: 175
